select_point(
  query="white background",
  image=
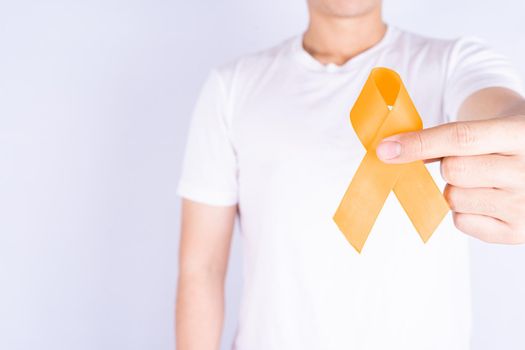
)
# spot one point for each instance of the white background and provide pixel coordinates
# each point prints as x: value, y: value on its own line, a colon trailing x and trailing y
x: 95, y: 98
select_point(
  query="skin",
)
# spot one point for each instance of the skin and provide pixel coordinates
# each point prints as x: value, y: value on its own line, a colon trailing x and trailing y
x: 203, y: 258
x: 340, y: 29
x: 482, y: 159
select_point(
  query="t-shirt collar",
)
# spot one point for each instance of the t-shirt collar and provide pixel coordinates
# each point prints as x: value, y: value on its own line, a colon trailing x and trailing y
x: 312, y: 63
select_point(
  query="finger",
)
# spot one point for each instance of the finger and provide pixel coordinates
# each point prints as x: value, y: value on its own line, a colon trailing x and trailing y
x: 492, y: 170
x: 481, y: 201
x: 431, y: 160
x: 498, y: 135
x: 487, y: 229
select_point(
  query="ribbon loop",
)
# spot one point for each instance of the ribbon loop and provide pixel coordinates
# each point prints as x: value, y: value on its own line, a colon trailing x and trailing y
x: 382, y: 109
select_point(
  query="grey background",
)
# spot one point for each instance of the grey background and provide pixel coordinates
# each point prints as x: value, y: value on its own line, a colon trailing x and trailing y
x: 95, y: 99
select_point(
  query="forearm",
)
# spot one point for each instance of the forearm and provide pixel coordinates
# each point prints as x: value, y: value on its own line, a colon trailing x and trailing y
x: 492, y: 103
x: 199, y: 311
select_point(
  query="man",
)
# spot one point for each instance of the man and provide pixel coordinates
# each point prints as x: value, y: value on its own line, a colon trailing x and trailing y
x: 270, y: 140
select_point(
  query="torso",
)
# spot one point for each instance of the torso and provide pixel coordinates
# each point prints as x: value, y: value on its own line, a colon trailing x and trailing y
x: 305, y: 287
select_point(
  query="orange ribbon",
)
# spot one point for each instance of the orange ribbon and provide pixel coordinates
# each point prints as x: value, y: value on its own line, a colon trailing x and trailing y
x: 382, y: 109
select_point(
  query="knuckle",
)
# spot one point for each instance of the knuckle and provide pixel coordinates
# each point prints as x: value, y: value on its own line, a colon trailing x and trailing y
x: 462, y: 135
x: 450, y: 196
x: 420, y: 143
x: 452, y: 168
x: 461, y: 222
x: 416, y: 145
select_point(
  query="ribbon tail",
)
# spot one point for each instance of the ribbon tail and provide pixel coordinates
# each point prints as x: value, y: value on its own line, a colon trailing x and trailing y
x: 364, y: 198
x: 421, y: 199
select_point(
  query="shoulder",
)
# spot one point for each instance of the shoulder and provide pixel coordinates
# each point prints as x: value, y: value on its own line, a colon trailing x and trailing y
x: 422, y: 44
x: 427, y: 41
x: 237, y: 78
x: 447, y: 54
x: 253, y: 65
x: 447, y: 48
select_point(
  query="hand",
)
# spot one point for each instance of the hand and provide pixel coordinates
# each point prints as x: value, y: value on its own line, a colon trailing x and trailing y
x: 483, y: 163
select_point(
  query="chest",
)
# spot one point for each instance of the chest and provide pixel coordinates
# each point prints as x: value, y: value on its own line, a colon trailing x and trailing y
x: 300, y: 124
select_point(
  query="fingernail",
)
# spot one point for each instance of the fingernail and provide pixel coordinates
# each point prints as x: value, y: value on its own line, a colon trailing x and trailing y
x: 388, y: 150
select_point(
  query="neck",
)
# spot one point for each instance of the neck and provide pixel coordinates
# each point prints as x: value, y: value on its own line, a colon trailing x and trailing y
x: 332, y: 39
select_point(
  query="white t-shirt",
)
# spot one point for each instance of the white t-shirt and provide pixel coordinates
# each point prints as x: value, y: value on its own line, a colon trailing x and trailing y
x: 271, y: 132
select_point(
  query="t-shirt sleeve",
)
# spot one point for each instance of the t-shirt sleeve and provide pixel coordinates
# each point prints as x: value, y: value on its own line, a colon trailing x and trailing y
x: 474, y: 65
x: 209, y: 166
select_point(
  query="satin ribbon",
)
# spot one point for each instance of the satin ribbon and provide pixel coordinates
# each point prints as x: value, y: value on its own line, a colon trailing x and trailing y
x: 382, y: 109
